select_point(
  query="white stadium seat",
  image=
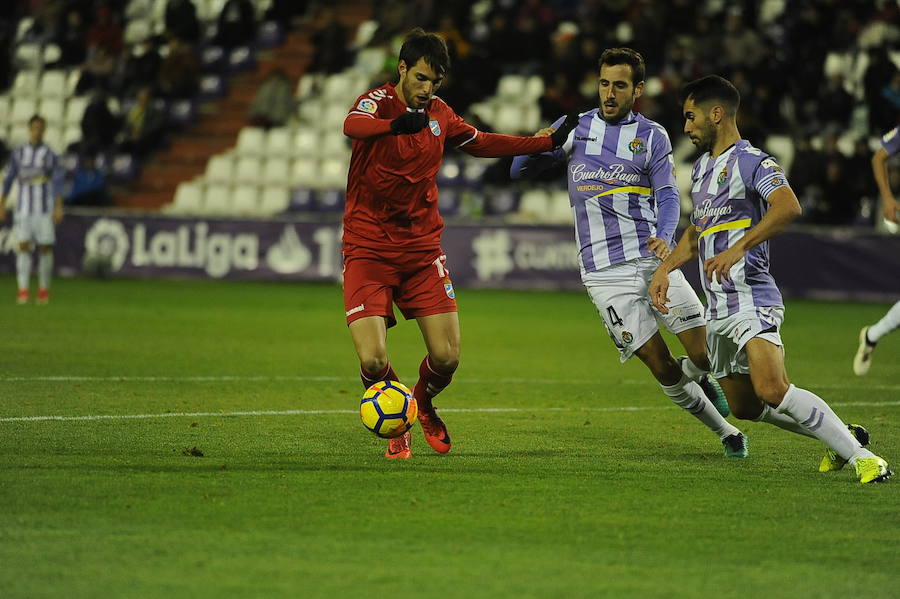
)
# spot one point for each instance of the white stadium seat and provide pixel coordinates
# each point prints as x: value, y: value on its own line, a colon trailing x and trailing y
x: 534, y: 205
x: 310, y: 111
x: 334, y: 144
x: 72, y: 135
x: 55, y: 138
x: 53, y: 83
x: 277, y: 171
x: 308, y: 85
x: 188, y: 199
x: 251, y: 141
x: 280, y: 142
x: 274, y: 200
x: 217, y: 199
x: 219, y: 169
x: 22, y: 110
x: 511, y: 87
x: 51, y: 54
x: 534, y: 87
x: 75, y: 110
x: 4, y: 109
x: 18, y: 134
x: 338, y: 86
x: 333, y: 174
x: 247, y: 170
x: 28, y: 55
x: 560, y: 211
x: 53, y: 109
x: 26, y: 83
x: 304, y: 172
x: 306, y: 142
x: 333, y: 116
x: 245, y: 200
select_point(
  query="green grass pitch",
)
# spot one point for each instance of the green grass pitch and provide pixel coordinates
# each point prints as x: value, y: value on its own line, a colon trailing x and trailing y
x: 570, y: 475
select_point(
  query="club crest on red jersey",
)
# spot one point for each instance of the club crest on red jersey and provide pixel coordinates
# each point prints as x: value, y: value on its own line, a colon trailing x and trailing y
x: 435, y: 127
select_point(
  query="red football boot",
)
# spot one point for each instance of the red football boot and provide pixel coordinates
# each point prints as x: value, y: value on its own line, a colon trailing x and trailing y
x: 398, y: 447
x: 434, y: 428
x: 22, y: 296
x: 43, y: 296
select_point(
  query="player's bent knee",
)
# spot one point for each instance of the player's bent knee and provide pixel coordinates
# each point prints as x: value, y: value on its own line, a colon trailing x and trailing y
x: 446, y: 363
x: 373, y: 364
x: 771, y: 392
x: 746, y: 411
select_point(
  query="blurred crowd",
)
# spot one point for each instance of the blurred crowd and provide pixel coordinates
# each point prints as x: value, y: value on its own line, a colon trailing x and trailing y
x: 818, y: 71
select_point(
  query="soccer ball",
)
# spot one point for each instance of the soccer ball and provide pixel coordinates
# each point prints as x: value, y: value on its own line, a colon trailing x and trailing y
x: 388, y: 409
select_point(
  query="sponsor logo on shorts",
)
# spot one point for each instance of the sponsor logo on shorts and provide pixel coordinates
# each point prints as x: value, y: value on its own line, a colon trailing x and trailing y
x: 688, y: 318
x: 627, y: 337
x: 358, y: 308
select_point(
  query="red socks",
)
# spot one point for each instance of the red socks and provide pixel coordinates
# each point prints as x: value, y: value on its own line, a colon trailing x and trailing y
x: 431, y: 382
x: 369, y: 379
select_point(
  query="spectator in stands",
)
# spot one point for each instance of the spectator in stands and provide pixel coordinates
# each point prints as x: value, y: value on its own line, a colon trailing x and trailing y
x: 834, y: 105
x: 142, y: 66
x: 179, y: 72
x: 181, y: 21
x: 88, y: 184
x: 143, y: 126
x: 236, y: 25
x: 98, y: 125
x: 274, y: 102
x: 284, y: 11
x: 330, y: 43
x: 105, y: 33
x: 72, y: 40
x: 97, y: 71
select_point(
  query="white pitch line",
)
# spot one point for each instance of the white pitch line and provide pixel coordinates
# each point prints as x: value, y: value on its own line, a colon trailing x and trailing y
x: 94, y: 417
x: 338, y: 379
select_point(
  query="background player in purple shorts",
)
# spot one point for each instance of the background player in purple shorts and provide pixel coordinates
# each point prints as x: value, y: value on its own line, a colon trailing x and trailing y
x: 870, y: 335
x: 741, y: 199
x: 625, y: 207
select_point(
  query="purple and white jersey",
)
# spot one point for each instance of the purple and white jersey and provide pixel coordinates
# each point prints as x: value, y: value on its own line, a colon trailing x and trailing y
x: 729, y: 195
x: 38, y: 172
x: 614, y: 173
x: 891, y: 141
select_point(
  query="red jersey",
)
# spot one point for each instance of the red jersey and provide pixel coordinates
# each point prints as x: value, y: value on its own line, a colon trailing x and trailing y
x: 392, y: 195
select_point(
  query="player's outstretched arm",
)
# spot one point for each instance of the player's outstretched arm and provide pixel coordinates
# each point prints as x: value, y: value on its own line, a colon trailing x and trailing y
x: 659, y: 284
x: 880, y: 171
x: 783, y: 210
x: 495, y: 145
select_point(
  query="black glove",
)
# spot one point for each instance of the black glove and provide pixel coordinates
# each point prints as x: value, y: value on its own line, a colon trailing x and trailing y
x: 562, y: 132
x: 409, y: 122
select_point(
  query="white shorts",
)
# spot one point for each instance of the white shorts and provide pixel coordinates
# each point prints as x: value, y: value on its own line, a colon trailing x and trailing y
x: 620, y: 294
x: 726, y: 338
x: 34, y: 228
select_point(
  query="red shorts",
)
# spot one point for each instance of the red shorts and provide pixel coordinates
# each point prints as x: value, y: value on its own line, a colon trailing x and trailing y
x: 418, y: 282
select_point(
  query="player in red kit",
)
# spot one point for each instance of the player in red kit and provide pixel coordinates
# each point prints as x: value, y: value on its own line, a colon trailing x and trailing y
x: 392, y: 227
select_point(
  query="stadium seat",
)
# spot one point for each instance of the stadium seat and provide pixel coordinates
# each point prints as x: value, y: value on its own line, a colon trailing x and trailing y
x: 337, y: 87
x: 54, y: 137
x: 212, y: 86
x: 75, y: 110
x: 274, y: 200
x: 450, y: 173
x: 28, y: 56
x: 137, y: 30
x: 306, y: 142
x: 330, y: 200
x: 71, y: 136
x: 301, y: 200
x: 4, y: 109
x: 333, y: 116
x: 251, y: 141
x: 51, y: 54
x: 511, y: 87
x: 304, y: 173
x: 269, y: 34
x: 72, y: 81
x: 309, y: 85
x: 245, y: 200
x: 277, y: 171
x: 241, y: 58
x: 280, y: 142
x: 782, y: 148
x: 52, y: 109
x: 25, y: 84
x: 484, y: 111
x: 509, y: 119
x: 449, y: 201
x: 534, y: 205
x: 247, y: 170
x: 500, y: 202
x: 310, y: 111
x: 18, y: 134
x: 217, y: 200
x: 219, y: 168
x: 333, y: 174
x: 22, y: 110
x: 334, y: 145
x: 124, y: 167
x: 188, y: 199
x: 212, y: 58
x: 53, y: 83
x: 534, y: 87
x: 25, y: 24
x: 560, y: 209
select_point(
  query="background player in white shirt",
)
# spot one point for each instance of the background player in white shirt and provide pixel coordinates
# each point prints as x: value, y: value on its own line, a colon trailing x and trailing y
x: 870, y: 335
x: 37, y: 209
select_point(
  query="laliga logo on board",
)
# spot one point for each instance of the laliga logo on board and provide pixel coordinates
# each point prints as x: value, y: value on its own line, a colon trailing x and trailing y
x: 108, y: 238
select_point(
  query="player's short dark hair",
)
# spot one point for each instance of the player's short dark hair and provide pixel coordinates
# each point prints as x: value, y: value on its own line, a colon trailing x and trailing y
x: 430, y: 46
x: 613, y: 56
x: 712, y: 88
x: 37, y: 117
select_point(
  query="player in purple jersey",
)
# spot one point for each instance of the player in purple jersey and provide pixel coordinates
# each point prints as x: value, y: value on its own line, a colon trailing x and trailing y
x: 625, y: 206
x: 741, y: 199
x: 870, y: 335
x: 38, y: 209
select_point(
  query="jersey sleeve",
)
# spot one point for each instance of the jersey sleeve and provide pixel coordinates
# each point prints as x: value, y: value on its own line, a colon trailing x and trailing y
x: 459, y: 132
x: 662, y: 165
x: 531, y: 165
x: 767, y: 177
x: 891, y: 141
